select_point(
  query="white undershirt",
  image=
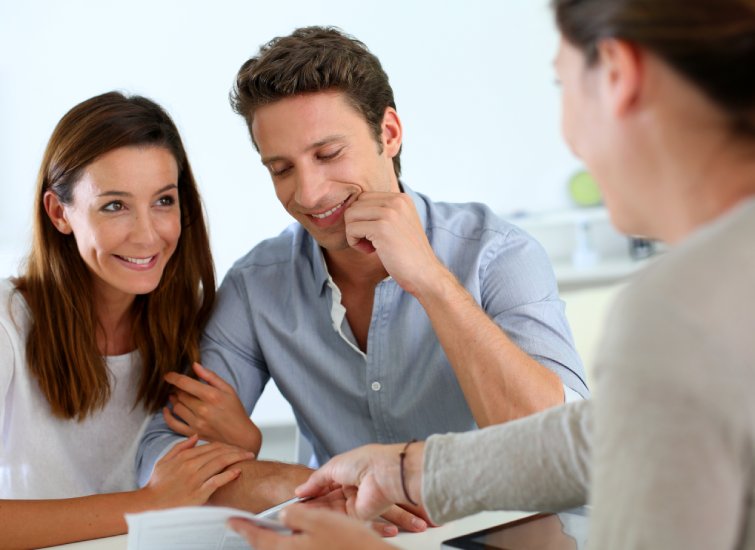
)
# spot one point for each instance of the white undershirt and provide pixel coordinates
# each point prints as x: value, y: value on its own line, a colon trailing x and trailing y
x: 44, y: 457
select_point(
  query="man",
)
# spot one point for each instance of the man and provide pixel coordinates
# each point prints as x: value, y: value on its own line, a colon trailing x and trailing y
x: 367, y: 312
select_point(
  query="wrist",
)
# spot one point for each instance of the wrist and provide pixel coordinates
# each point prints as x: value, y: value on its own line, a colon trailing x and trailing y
x: 434, y: 284
x: 410, y: 473
x: 146, y: 498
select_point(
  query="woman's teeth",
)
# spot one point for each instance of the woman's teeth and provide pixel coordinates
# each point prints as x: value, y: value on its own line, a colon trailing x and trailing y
x: 137, y: 261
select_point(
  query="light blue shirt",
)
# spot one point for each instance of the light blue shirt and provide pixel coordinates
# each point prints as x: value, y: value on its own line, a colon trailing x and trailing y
x: 279, y: 315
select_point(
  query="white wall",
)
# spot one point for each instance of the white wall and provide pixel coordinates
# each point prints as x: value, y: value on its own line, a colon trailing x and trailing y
x: 473, y: 83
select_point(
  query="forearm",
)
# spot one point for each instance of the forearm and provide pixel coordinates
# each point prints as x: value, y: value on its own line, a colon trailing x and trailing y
x: 536, y: 463
x: 37, y: 523
x: 499, y: 380
x: 261, y: 485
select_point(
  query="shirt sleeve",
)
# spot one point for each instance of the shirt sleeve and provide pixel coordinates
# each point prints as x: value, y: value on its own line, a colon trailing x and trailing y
x: 229, y: 349
x: 7, y: 365
x: 535, y: 463
x: 672, y: 449
x: 519, y: 292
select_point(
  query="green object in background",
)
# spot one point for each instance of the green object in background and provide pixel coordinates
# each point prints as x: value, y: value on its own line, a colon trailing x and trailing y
x: 583, y: 190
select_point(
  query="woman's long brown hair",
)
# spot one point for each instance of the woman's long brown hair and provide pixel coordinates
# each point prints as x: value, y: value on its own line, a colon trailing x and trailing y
x: 61, y: 349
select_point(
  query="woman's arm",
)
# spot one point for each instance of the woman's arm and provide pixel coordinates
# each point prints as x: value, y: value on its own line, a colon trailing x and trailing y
x: 186, y: 475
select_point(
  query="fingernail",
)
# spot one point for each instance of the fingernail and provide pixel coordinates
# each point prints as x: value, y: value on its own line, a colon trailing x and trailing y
x: 390, y: 530
x: 419, y: 524
x: 250, y: 454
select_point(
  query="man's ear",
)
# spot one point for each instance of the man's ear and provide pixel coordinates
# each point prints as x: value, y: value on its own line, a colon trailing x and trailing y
x: 622, y: 74
x: 57, y: 213
x: 392, y: 132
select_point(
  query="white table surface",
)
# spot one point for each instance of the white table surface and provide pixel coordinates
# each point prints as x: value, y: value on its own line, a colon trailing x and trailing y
x: 431, y: 538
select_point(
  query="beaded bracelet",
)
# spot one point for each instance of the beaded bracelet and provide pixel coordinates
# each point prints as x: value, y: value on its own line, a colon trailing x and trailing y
x: 402, y: 455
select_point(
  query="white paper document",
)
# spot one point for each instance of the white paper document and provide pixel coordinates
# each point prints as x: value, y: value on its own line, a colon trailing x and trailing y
x: 189, y: 528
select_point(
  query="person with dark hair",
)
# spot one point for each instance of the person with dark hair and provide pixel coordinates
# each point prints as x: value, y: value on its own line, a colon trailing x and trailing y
x: 118, y: 285
x: 659, y: 101
x: 381, y: 315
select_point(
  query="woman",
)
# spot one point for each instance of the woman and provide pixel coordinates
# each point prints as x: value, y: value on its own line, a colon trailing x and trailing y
x: 118, y: 285
x: 659, y: 102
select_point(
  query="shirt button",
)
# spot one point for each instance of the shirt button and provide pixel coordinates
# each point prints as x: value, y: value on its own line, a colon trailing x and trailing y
x: 376, y: 386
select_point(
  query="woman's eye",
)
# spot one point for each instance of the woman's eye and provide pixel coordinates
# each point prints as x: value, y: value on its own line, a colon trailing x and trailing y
x: 167, y: 200
x: 114, y: 206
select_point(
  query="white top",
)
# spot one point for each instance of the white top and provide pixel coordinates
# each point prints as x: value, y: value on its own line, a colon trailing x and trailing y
x: 666, y: 449
x: 45, y: 457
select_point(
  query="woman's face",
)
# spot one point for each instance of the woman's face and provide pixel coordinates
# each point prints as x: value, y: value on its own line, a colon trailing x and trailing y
x: 592, y: 133
x: 125, y: 217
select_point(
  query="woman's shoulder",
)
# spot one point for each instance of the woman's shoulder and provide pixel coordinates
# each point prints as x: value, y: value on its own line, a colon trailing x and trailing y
x: 13, y: 307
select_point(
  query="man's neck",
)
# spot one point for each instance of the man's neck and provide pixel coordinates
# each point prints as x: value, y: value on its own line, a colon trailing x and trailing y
x: 351, y: 268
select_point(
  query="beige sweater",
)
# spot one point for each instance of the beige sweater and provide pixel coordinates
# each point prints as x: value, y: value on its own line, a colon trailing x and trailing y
x: 665, y: 453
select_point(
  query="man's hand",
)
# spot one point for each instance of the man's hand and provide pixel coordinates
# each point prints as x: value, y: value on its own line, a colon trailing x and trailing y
x: 388, y: 224
x: 212, y: 410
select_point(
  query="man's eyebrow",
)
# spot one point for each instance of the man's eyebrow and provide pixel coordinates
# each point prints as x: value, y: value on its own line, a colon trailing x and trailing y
x: 319, y: 143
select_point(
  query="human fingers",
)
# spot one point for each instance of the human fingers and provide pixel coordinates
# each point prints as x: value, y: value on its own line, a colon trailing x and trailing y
x: 375, y: 232
x: 183, y: 412
x: 181, y: 446
x: 212, y: 379
x: 218, y: 459
x: 217, y: 481
x: 189, y: 385
x: 318, y: 484
x: 322, y: 521
x: 261, y: 538
x: 404, y: 519
x: 175, y: 424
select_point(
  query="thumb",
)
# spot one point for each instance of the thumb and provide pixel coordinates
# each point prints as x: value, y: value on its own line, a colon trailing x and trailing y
x: 308, y: 519
x: 256, y: 536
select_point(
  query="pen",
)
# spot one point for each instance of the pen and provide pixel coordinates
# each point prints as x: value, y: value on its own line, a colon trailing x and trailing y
x: 278, y: 507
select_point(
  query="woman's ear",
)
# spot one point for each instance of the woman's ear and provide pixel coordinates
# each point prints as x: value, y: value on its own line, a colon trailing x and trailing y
x: 57, y: 213
x: 622, y: 74
x: 392, y: 132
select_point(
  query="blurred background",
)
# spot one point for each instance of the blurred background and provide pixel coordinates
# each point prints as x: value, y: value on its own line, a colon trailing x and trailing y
x: 473, y: 82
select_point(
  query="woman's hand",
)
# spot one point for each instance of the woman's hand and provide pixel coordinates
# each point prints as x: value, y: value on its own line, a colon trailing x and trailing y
x: 343, y: 500
x: 212, y: 410
x: 188, y: 474
x: 375, y: 472
x: 314, y: 529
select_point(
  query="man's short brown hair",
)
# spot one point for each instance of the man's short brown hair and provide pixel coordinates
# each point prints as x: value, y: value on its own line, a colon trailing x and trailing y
x: 315, y: 59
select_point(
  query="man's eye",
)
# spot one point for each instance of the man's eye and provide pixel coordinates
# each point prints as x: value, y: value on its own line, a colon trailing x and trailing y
x: 114, y: 206
x: 329, y: 155
x: 278, y: 170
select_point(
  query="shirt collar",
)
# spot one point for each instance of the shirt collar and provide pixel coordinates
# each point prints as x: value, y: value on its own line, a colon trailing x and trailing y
x: 320, y: 268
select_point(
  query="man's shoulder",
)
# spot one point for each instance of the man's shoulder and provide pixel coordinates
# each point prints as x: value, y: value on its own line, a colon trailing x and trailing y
x: 283, y: 249
x: 470, y: 220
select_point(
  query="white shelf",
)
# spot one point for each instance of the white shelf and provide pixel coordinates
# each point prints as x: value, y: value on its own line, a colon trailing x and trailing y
x: 571, y: 216
x: 604, y: 272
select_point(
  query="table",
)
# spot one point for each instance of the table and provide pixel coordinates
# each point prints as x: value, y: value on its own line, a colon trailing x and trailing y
x: 431, y: 538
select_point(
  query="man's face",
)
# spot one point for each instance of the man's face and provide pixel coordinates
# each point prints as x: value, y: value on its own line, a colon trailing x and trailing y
x: 322, y: 155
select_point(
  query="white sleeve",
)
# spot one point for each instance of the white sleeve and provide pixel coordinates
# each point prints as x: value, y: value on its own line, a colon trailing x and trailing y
x: 7, y: 365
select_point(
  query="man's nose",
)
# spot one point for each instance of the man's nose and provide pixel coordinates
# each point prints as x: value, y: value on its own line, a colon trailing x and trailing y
x: 311, y: 188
